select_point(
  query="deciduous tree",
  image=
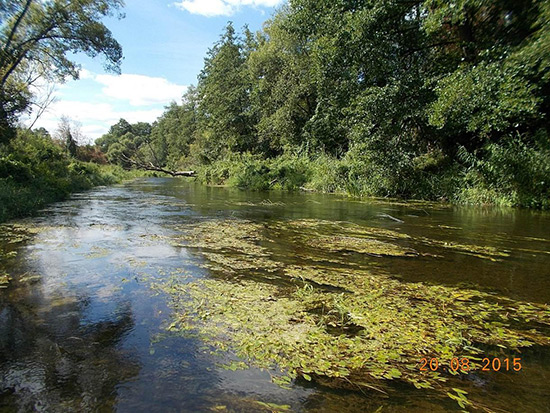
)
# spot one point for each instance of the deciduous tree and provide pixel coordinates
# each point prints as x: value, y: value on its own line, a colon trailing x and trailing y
x: 35, y: 38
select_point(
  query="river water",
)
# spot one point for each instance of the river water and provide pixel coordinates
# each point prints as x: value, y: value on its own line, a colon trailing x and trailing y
x: 81, y: 329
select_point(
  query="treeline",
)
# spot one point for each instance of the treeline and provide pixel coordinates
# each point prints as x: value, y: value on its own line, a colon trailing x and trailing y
x: 36, y: 38
x: 36, y: 169
x: 420, y: 99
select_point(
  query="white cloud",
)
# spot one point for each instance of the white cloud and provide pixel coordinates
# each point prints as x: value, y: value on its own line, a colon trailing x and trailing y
x: 207, y: 8
x: 140, y: 90
x: 95, y: 118
x: 136, y: 98
x: 211, y: 8
x: 85, y: 74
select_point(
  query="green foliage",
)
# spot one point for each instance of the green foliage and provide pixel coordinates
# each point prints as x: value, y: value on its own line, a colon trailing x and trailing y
x: 485, y: 100
x: 223, y: 91
x: 510, y: 173
x: 127, y: 143
x: 34, y: 171
x: 35, y: 39
x: 175, y: 131
x: 283, y: 95
x: 374, y: 98
x: 252, y: 172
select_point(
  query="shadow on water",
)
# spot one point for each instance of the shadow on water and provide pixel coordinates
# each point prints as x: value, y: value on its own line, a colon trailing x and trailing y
x: 81, y: 330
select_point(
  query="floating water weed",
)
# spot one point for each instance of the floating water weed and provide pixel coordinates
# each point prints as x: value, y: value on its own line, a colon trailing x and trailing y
x: 360, y: 245
x: 4, y: 280
x: 335, y: 324
x: 485, y: 252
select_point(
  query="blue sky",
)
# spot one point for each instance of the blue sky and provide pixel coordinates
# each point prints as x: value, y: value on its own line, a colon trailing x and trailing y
x: 164, y: 45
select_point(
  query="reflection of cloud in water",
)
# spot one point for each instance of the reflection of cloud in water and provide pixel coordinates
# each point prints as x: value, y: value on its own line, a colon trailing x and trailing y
x: 52, y: 358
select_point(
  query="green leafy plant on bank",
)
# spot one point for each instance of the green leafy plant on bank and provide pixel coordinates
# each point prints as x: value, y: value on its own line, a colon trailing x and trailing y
x: 511, y: 173
x: 35, y: 171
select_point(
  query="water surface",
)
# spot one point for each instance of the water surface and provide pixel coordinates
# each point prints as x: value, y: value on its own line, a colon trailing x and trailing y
x: 81, y: 329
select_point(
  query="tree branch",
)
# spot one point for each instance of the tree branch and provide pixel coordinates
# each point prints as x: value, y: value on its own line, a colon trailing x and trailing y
x: 16, y: 25
x: 151, y: 167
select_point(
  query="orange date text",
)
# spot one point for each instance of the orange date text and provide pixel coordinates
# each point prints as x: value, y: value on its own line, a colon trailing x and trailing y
x: 458, y: 365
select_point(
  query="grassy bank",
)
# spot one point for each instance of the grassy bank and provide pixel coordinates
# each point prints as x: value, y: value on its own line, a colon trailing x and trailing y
x: 34, y: 171
x: 508, y: 174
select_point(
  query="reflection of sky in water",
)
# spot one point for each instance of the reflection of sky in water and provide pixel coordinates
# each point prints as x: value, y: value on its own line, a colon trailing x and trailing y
x: 88, y: 335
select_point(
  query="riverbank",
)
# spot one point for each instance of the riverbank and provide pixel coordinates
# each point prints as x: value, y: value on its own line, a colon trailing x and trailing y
x: 34, y: 172
x: 523, y: 183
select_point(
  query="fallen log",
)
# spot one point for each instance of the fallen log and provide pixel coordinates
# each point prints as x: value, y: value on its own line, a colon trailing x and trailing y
x: 154, y: 168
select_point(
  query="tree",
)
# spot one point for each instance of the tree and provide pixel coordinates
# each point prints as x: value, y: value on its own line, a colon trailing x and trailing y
x: 175, y: 131
x: 224, y: 92
x: 494, y: 83
x: 35, y: 38
x: 284, y: 95
x: 124, y: 141
x: 69, y: 134
x: 116, y: 131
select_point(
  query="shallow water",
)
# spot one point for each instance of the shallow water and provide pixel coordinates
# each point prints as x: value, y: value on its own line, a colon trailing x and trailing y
x: 81, y: 329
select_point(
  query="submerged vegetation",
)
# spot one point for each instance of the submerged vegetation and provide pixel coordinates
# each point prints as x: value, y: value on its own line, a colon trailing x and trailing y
x: 11, y: 236
x: 320, y: 317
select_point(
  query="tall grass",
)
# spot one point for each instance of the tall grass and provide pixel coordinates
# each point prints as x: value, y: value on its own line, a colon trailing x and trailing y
x: 510, y: 173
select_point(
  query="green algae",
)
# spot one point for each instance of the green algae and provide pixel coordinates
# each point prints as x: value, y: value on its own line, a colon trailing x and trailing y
x: 98, y: 252
x: 10, y: 237
x: 341, y: 236
x: 30, y: 278
x: 232, y: 235
x: 340, y: 325
x: 360, y: 245
x: 263, y: 203
x: 484, y: 252
x: 235, y: 263
x: 4, y: 280
x: 348, y: 228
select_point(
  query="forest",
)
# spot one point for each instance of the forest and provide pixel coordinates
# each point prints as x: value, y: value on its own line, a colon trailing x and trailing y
x: 430, y: 100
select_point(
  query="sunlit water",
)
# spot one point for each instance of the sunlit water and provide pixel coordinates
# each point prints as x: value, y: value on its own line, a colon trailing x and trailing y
x: 81, y: 329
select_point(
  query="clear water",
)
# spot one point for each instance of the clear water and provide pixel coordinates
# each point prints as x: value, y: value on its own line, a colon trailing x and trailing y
x: 81, y: 329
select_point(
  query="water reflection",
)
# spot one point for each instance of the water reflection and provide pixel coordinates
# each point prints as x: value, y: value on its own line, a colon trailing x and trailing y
x: 52, y: 358
x: 85, y: 333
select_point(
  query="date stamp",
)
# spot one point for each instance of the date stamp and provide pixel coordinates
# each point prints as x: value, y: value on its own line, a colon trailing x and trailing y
x: 464, y: 365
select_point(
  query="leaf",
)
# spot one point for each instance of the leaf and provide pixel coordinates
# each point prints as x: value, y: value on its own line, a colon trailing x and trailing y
x: 274, y: 407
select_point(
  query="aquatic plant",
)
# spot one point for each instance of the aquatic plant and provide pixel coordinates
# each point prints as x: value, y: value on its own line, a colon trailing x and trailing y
x: 339, y: 325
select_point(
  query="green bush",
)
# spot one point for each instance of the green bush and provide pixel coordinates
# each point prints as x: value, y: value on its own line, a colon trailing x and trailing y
x: 248, y: 171
x: 510, y: 173
x: 35, y: 171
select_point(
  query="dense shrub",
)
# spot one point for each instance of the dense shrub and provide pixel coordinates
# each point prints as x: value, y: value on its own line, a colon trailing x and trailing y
x: 34, y: 171
x: 511, y: 173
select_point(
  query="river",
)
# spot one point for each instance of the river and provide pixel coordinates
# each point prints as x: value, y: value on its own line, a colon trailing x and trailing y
x: 82, y: 327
